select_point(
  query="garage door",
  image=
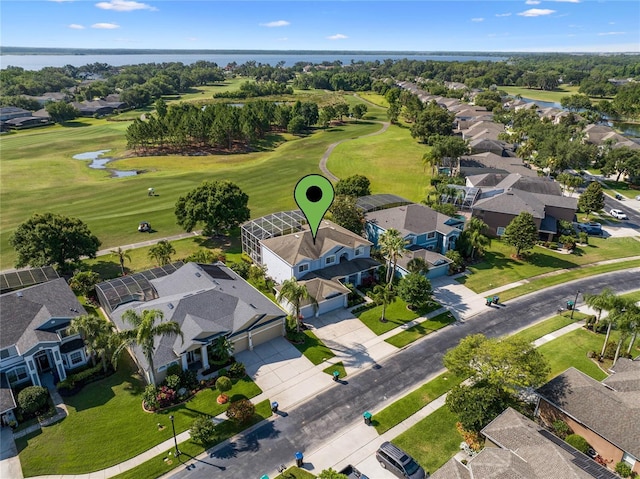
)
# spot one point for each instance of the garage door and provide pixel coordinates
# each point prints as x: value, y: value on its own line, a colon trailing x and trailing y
x: 325, y: 306
x: 240, y: 343
x: 266, y: 333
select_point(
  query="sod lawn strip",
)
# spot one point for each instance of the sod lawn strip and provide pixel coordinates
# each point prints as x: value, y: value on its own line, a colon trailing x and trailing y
x: 295, y: 473
x: 408, y: 405
x: 314, y: 349
x: 166, y: 462
x: 498, y: 268
x: 433, y: 440
x: 336, y: 367
x: 620, y: 187
x: 542, y: 283
x: 420, y: 330
x: 549, y: 326
x: 396, y: 314
x: 112, y: 408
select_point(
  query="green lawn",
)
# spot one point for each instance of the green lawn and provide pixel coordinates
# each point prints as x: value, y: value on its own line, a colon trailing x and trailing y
x: 420, y: 330
x: 414, y: 401
x: 549, y: 326
x: 432, y: 441
x: 113, y: 207
x: 543, y: 95
x: 375, y: 98
x: 165, y: 462
x: 295, y: 473
x: 396, y: 315
x: 104, y: 417
x: 635, y: 296
x: 621, y: 187
x: 542, y: 283
x: 498, y: 268
x: 314, y: 349
x: 339, y: 366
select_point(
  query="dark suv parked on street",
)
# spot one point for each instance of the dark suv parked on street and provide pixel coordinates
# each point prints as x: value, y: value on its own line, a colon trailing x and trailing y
x: 399, y: 462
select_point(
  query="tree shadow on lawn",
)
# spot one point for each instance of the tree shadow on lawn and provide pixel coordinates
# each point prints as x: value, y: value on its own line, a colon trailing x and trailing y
x: 107, y: 269
x: 23, y: 442
x: 228, y: 243
x: 75, y: 124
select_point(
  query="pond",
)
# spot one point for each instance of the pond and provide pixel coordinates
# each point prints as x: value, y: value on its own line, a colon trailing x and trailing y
x: 99, y: 163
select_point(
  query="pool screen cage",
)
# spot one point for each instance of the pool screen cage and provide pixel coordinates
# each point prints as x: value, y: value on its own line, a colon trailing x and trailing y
x: 380, y: 202
x: 270, y: 226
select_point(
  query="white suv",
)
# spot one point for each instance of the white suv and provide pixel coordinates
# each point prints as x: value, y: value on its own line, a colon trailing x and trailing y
x: 618, y: 214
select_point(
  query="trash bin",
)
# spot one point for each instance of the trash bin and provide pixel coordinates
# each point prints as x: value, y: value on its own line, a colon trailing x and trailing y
x: 570, y: 305
x: 336, y: 375
x: 274, y: 406
x: 496, y: 299
x: 299, y: 457
x: 489, y: 301
x: 367, y: 418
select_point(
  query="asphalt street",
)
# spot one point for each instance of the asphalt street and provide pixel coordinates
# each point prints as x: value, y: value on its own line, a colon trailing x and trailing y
x: 314, y: 422
x: 634, y: 215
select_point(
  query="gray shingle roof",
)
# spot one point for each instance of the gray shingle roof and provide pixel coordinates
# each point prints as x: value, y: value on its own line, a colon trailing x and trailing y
x: 452, y: 469
x: 411, y: 219
x: 26, y: 310
x: 585, y: 399
x: 321, y: 289
x: 7, y: 400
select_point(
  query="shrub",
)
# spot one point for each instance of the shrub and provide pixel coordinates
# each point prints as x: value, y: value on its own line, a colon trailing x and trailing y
x: 188, y: 379
x: 223, y: 384
x: 174, y: 369
x: 202, y: 430
x: 237, y: 370
x: 149, y: 397
x: 173, y: 381
x: 591, y: 354
x: 561, y: 428
x: 623, y: 469
x: 610, y: 350
x: 568, y: 242
x: 577, y: 441
x: 583, y: 237
x: 222, y: 372
x: 32, y: 399
x: 241, y: 411
x: 166, y: 396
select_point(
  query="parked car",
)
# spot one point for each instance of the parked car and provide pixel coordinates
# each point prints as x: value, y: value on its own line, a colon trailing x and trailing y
x: 618, y: 196
x: 638, y: 198
x: 618, y: 214
x: 352, y: 473
x: 591, y: 228
x: 398, y: 462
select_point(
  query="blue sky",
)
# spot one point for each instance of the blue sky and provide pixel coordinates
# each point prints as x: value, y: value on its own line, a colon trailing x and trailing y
x: 513, y: 25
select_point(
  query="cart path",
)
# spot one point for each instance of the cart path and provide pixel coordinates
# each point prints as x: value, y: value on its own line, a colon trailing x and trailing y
x: 325, y: 157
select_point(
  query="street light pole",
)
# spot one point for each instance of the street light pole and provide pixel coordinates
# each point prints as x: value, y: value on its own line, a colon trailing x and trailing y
x: 175, y: 441
x: 575, y: 302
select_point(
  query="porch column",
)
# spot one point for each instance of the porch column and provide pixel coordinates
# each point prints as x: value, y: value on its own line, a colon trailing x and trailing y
x: 33, y: 372
x: 57, y: 358
x: 250, y: 338
x: 185, y: 365
x: 205, y: 357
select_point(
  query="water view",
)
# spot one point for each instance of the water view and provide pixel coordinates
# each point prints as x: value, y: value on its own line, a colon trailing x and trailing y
x: 99, y: 163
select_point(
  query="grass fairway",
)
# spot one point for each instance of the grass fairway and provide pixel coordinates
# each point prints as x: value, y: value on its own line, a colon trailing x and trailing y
x: 498, y: 268
x: 112, y: 207
x: 536, y: 94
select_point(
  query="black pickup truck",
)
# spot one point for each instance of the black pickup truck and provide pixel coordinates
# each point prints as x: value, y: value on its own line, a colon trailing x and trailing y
x: 352, y: 473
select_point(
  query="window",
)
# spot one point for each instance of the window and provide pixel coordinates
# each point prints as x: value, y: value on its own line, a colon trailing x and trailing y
x: 629, y: 459
x: 8, y: 352
x: 330, y: 260
x: 431, y: 235
x: 75, y: 357
x: 500, y: 230
x: 17, y: 375
x: 303, y: 267
x: 359, y: 250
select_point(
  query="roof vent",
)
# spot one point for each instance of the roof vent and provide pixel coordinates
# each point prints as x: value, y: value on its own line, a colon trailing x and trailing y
x: 297, y: 236
x: 252, y: 305
x: 19, y: 294
x: 198, y: 274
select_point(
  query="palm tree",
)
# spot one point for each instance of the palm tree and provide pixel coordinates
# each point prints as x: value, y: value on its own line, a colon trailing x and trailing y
x: 122, y: 255
x: 383, y: 296
x: 476, y: 239
x: 392, y: 247
x: 222, y: 349
x: 627, y: 322
x: 294, y: 293
x: 144, y: 332
x: 418, y: 265
x: 615, y: 310
x: 634, y: 324
x: 600, y: 302
x: 96, y: 334
x: 162, y: 252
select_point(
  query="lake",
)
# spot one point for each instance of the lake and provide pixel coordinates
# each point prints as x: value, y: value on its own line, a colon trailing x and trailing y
x: 36, y: 62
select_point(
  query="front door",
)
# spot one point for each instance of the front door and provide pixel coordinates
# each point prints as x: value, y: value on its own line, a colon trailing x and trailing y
x: 42, y: 362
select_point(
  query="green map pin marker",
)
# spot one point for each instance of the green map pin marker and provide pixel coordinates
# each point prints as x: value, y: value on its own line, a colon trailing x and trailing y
x: 314, y: 195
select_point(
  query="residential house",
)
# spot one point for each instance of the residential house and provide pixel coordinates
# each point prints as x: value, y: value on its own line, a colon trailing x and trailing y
x: 606, y: 414
x: 487, y: 162
x: 335, y: 258
x: 485, y: 145
x: 518, y: 448
x: 50, y: 96
x: 34, y: 344
x: 98, y: 107
x: 499, y: 199
x: 208, y: 301
x: 428, y: 234
x: 9, y: 112
x: 483, y: 130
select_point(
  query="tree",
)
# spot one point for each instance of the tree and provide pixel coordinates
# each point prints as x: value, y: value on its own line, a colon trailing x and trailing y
x: 391, y: 247
x: 432, y: 120
x: 121, y: 255
x: 592, y: 199
x: 445, y: 151
x: 147, y: 326
x: 61, y: 112
x: 295, y: 293
x: 474, y: 238
x: 84, y: 282
x: 576, y: 102
x: 600, y: 302
x: 202, y: 431
x: 384, y: 296
x: 97, y: 335
x: 331, y: 474
x: 418, y: 265
x: 359, y: 111
x: 570, y: 182
x: 457, y: 262
x: 415, y: 290
x: 477, y: 406
x: 32, y: 399
x: 346, y: 214
x: 222, y: 350
x: 241, y: 411
x: 622, y: 161
x: 53, y: 239
x: 219, y: 205
x: 162, y: 252
x: 354, y: 185
x: 223, y: 384
x: 521, y: 233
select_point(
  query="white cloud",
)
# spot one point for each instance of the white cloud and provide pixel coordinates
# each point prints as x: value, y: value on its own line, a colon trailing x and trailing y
x: 283, y: 39
x: 611, y: 33
x: 75, y: 26
x: 277, y: 23
x: 503, y: 14
x: 124, y: 6
x: 192, y: 39
x: 337, y: 36
x: 105, y: 26
x: 536, y: 12
x: 477, y: 19
x: 612, y: 23
x: 566, y: 1
x: 532, y: 2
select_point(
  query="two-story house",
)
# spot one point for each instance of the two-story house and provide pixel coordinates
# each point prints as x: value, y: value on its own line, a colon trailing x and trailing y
x: 428, y: 234
x: 34, y: 344
x: 335, y: 258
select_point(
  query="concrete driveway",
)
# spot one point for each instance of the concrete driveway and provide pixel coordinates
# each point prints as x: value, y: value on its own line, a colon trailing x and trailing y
x: 459, y: 299
x: 10, y: 467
